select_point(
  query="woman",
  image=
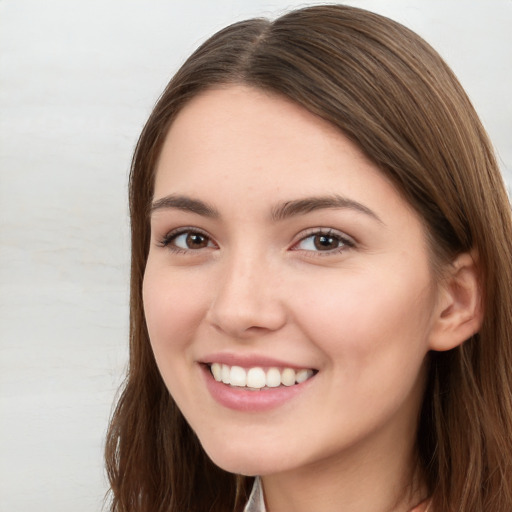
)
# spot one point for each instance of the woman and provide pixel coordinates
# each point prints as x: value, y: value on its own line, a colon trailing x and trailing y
x: 320, y: 281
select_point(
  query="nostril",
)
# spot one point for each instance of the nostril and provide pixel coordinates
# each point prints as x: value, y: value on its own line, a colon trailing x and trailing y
x: 241, y: 319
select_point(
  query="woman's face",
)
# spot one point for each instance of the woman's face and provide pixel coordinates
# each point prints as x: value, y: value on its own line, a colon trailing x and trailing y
x: 280, y: 253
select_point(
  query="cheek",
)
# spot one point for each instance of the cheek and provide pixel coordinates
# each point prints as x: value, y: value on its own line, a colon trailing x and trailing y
x: 356, y: 316
x: 373, y: 336
x: 173, y: 306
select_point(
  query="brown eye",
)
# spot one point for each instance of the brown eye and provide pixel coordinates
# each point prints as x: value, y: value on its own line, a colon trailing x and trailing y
x: 196, y: 241
x: 326, y: 242
x: 188, y: 241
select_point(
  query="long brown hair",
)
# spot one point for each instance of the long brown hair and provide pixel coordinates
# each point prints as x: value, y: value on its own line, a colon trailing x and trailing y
x: 391, y: 93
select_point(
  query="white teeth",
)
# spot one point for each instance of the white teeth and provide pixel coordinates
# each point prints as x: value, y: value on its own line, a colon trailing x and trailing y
x: 303, y: 375
x: 217, y: 371
x: 273, y: 378
x: 288, y: 377
x: 237, y: 376
x: 257, y: 378
x: 225, y: 374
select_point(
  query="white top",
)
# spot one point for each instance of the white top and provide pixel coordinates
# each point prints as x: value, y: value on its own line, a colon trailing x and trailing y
x: 256, y: 502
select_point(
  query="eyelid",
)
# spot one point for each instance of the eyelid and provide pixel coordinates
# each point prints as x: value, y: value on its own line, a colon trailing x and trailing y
x: 166, y: 240
x: 347, y: 241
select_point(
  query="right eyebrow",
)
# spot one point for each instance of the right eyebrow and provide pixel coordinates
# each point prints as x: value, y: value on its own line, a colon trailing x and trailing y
x: 184, y: 203
x: 311, y: 204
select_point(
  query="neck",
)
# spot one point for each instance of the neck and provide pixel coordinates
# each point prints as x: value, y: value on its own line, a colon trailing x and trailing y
x: 367, y: 478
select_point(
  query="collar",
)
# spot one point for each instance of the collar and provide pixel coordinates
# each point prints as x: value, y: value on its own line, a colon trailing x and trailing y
x: 256, y: 503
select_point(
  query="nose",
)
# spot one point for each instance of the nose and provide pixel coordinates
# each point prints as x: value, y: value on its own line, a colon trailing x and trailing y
x: 247, y: 301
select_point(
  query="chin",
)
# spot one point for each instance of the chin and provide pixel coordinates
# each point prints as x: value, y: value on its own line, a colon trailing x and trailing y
x: 247, y: 460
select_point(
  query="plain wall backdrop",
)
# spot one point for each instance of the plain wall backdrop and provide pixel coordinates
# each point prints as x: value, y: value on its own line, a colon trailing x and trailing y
x: 77, y: 80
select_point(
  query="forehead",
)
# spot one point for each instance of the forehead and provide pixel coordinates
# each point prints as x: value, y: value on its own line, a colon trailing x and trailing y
x: 236, y: 121
x: 238, y: 141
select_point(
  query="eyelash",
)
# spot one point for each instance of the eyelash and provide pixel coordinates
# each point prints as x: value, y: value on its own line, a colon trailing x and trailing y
x: 344, y: 241
x: 169, y: 239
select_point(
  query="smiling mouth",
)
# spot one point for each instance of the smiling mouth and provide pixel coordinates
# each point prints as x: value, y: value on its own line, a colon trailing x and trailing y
x: 258, y: 378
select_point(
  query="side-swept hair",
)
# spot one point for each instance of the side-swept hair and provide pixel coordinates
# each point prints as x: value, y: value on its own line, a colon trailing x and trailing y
x: 393, y: 95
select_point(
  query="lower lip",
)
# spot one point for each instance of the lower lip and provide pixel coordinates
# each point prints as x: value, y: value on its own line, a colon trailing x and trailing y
x: 241, y: 399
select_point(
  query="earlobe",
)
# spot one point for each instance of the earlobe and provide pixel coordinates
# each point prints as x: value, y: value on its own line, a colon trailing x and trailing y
x: 459, y: 311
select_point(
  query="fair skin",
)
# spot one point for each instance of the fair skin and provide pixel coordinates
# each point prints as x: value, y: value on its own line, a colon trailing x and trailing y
x: 249, y: 268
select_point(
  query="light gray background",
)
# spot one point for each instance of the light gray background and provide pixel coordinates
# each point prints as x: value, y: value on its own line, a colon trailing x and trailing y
x: 77, y: 81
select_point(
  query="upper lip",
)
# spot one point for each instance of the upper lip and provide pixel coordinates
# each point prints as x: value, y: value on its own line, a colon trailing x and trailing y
x: 249, y: 361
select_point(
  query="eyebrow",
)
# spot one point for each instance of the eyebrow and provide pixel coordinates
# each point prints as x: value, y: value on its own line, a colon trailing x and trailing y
x: 280, y: 212
x: 184, y: 203
x: 311, y: 204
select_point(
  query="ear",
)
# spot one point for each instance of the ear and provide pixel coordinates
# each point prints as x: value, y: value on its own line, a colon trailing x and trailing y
x: 459, y: 311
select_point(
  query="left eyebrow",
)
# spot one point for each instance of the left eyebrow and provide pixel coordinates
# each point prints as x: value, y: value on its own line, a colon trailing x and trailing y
x: 184, y: 203
x: 311, y: 204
